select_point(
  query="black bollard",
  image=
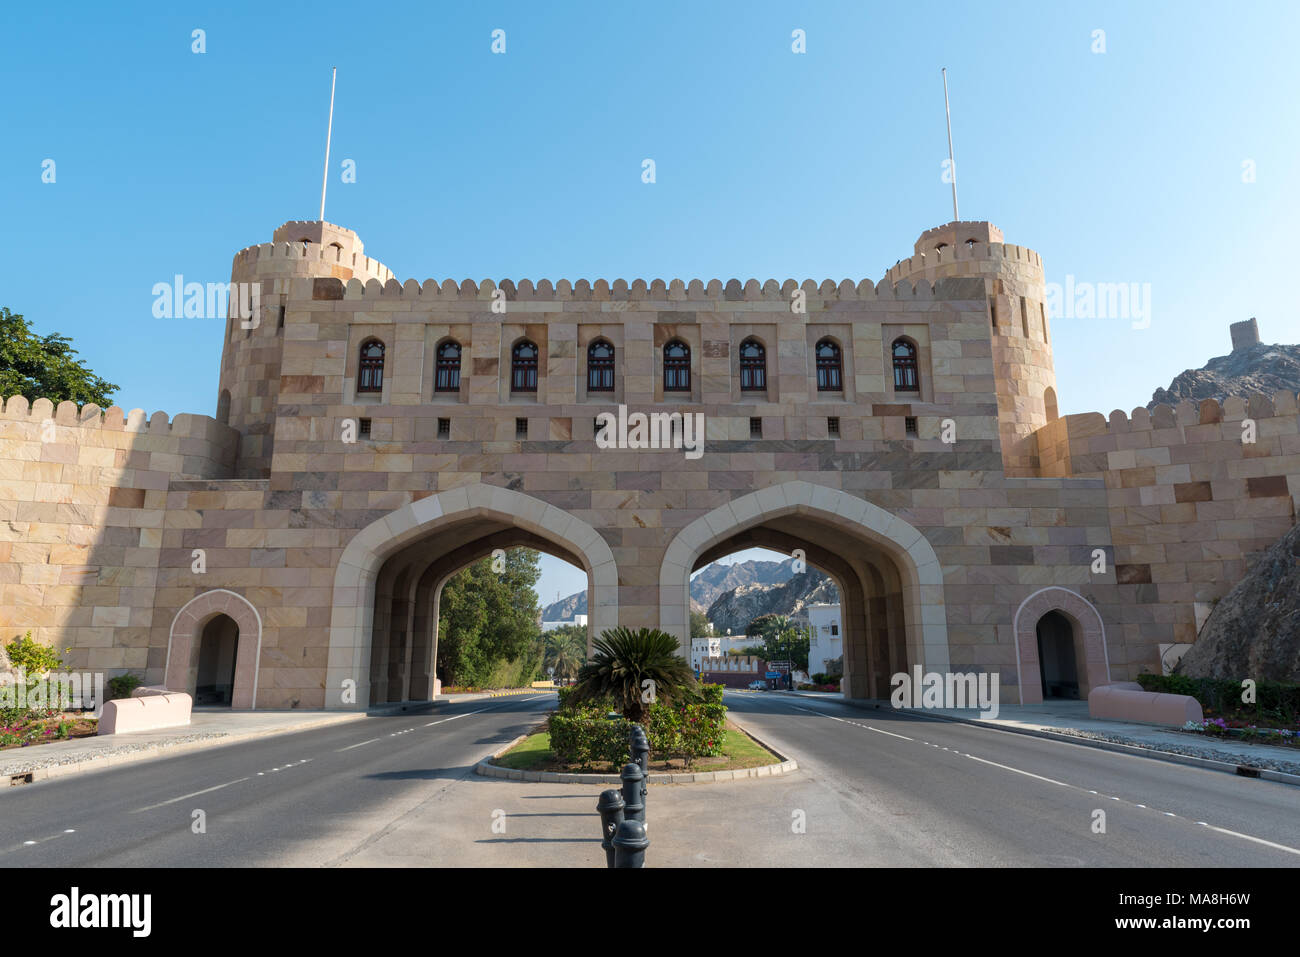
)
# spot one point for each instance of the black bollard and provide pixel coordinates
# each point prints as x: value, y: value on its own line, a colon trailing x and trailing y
x: 641, y: 750
x: 630, y: 843
x: 610, y: 807
x: 633, y: 806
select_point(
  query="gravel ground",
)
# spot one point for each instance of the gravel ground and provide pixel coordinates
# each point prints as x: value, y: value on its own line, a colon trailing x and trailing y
x: 22, y: 760
x: 1189, y: 749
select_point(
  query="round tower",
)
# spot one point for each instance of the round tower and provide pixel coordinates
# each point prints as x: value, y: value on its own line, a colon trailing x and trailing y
x: 259, y: 297
x: 1020, y: 338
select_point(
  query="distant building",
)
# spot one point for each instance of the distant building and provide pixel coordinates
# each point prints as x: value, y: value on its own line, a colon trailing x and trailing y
x: 580, y: 620
x: 824, y: 620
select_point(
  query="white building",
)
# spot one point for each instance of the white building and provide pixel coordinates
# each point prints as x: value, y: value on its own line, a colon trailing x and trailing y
x: 824, y: 620
x: 580, y: 620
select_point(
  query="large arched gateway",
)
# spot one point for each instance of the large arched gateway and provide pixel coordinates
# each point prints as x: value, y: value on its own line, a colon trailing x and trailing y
x: 890, y: 582
x: 384, y: 622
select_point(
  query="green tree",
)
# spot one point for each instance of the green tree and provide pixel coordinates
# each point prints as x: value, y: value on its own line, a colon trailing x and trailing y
x: 699, y: 625
x: 43, y: 367
x: 487, y: 625
x: 782, y: 639
x: 564, y: 650
x: 636, y: 669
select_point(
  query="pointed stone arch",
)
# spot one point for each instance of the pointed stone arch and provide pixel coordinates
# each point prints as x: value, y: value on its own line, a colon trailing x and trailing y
x: 1089, y: 640
x: 916, y: 562
x: 181, y: 668
x: 352, y: 616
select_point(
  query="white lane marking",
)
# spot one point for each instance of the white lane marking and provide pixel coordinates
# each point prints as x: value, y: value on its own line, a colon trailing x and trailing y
x: 455, y: 716
x: 1007, y: 767
x: 1075, y: 787
x: 1257, y: 840
x: 361, y: 744
x: 890, y: 733
x: 190, y: 795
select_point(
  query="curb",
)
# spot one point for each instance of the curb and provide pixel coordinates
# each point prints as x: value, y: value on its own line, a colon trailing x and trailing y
x: 489, y: 770
x: 1136, y: 750
x: 104, y: 762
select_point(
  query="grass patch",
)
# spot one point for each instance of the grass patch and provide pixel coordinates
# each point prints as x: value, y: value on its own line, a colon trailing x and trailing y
x: 740, y: 751
x: 528, y: 753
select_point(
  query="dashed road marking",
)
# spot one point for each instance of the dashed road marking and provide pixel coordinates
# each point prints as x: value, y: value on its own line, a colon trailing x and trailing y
x: 190, y: 795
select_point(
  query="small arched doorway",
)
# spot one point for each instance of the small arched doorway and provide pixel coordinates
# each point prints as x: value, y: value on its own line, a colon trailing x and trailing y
x: 1057, y: 668
x: 218, y: 653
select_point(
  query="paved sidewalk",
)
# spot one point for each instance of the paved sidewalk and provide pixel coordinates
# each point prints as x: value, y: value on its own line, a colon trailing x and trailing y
x: 206, y: 729
x: 1071, y: 718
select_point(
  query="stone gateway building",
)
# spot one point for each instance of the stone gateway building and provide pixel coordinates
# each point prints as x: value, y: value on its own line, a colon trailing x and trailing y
x: 372, y: 437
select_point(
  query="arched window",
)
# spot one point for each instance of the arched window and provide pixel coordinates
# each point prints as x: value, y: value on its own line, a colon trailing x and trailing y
x: 370, y: 373
x: 677, y: 366
x: 600, y: 366
x: 1049, y: 404
x: 906, y: 378
x: 523, y: 367
x: 753, y: 366
x: 830, y: 367
x: 447, y: 372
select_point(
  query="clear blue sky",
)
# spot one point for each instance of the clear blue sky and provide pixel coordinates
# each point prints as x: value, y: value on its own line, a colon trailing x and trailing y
x: 1123, y: 166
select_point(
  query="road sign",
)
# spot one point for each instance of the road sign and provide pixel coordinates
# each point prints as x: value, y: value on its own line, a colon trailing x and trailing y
x: 774, y: 674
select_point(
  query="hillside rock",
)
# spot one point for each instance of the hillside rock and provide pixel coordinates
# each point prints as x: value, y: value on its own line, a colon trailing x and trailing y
x: 716, y: 579
x: 1254, y: 630
x: 1256, y: 368
x: 732, y: 612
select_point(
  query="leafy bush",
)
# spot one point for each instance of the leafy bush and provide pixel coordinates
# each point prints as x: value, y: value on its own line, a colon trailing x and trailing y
x: 33, y: 658
x: 121, y: 686
x: 583, y: 734
x: 1274, y: 699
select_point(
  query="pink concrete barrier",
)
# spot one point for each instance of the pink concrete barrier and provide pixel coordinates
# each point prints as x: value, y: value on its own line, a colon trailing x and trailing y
x: 1126, y: 701
x: 145, y: 713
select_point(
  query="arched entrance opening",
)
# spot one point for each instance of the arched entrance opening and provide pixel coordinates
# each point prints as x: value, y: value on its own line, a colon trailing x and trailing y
x: 200, y: 653
x: 794, y: 630
x: 218, y: 652
x: 1057, y: 668
x: 406, y: 660
x: 1045, y: 621
x: 383, y: 628
x: 888, y: 577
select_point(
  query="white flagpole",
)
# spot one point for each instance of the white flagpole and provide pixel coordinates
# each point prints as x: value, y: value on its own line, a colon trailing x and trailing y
x: 952, y: 163
x: 330, y: 132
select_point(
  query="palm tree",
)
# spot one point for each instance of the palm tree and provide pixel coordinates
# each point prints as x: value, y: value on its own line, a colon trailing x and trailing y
x: 566, y: 650
x: 635, y: 668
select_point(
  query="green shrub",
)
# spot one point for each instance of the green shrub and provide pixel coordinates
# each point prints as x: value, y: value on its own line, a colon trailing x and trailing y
x: 121, y: 686
x: 32, y: 657
x: 1223, y: 695
x: 583, y: 734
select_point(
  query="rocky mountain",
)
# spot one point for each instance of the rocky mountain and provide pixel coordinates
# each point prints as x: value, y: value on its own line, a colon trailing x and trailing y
x: 1254, y: 630
x: 1255, y: 368
x: 566, y: 608
x: 717, y: 579
x: 733, y: 610
x: 707, y: 587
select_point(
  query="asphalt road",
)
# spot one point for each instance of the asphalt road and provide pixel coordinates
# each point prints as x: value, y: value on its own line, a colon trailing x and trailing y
x: 311, y: 798
x: 927, y: 791
x: 874, y: 788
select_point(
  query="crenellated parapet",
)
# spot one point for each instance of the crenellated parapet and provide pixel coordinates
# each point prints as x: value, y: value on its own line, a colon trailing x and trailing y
x: 193, y: 444
x: 677, y: 290
x: 271, y: 260
x: 972, y: 254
